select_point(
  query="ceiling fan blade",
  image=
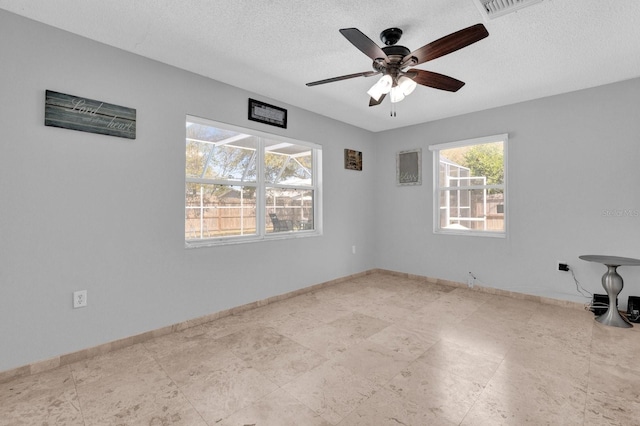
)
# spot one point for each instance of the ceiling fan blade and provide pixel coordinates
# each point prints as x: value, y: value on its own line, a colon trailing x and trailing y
x: 343, y: 77
x: 435, y: 80
x: 363, y: 43
x: 373, y: 102
x: 448, y: 44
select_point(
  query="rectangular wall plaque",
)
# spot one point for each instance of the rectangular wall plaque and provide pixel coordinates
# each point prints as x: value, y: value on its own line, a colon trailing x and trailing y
x: 352, y: 159
x: 268, y: 114
x: 88, y: 115
x: 409, y: 167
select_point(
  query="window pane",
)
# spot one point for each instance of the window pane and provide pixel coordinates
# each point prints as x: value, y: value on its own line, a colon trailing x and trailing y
x: 196, y: 158
x: 462, y: 206
x: 242, y: 186
x: 289, y: 210
x: 219, y: 211
x: 472, y: 210
x: 233, y: 163
x: 204, y: 133
x: 214, y: 153
x: 477, y: 161
x: 288, y: 164
x: 495, y: 210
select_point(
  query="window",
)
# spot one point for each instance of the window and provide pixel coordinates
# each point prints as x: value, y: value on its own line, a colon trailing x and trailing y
x: 470, y: 195
x: 244, y: 185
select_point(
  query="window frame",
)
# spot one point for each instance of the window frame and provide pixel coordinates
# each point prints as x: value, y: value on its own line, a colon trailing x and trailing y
x: 261, y: 187
x: 437, y: 189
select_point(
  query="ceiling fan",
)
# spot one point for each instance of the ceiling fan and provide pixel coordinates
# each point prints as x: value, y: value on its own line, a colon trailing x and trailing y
x: 393, y: 60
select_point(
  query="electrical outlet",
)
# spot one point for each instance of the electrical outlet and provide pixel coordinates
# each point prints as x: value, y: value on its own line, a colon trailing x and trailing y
x: 353, y: 249
x: 79, y: 299
x: 563, y: 266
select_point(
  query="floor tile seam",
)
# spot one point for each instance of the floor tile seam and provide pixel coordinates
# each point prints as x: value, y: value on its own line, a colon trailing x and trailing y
x: 75, y: 387
x: 413, y: 356
x: 390, y: 320
x: 468, y: 314
x: 180, y: 388
x: 103, y: 418
x: 546, y: 377
x: 305, y: 404
x: 43, y: 395
x: 349, y: 311
x: 358, y: 405
x: 571, y: 329
x: 588, y: 387
x: 466, y: 379
x: 304, y: 345
x: 314, y: 352
x: 265, y: 350
x: 151, y: 360
x: 367, y: 377
x: 591, y: 361
x: 22, y: 387
x: 535, y: 344
x: 483, y: 386
x: 252, y: 403
x: 463, y: 348
x: 483, y: 328
x: 377, y: 388
x: 484, y: 389
x: 190, y: 402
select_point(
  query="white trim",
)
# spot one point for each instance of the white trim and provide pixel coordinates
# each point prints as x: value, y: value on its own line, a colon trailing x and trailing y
x: 475, y: 141
x: 472, y: 187
x: 471, y: 233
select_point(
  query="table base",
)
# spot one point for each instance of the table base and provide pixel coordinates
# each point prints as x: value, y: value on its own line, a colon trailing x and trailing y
x: 612, y: 283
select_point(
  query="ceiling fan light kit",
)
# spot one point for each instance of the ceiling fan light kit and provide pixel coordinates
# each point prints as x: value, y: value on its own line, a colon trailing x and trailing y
x: 396, y: 95
x: 382, y: 87
x: 407, y: 85
x: 393, y: 61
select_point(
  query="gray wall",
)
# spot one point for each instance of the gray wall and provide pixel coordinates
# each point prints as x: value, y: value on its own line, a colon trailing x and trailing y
x: 85, y: 211
x: 571, y: 157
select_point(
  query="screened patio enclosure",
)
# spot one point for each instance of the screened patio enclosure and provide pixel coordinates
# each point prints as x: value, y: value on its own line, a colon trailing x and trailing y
x: 464, y: 208
x: 231, y: 176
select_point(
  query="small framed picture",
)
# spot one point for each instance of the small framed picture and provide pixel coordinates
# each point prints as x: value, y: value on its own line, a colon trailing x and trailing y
x: 352, y: 159
x: 409, y: 167
x: 268, y: 114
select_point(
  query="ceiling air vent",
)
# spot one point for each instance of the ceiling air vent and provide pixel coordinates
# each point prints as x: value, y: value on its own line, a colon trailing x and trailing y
x: 491, y: 9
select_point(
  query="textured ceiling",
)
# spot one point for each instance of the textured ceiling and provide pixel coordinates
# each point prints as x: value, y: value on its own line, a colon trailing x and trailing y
x: 274, y: 47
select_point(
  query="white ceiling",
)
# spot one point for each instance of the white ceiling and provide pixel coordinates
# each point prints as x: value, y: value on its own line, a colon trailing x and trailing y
x: 274, y: 47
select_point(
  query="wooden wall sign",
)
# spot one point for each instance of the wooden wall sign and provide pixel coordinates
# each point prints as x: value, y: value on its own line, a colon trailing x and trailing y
x: 352, y: 159
x: 88, y: 115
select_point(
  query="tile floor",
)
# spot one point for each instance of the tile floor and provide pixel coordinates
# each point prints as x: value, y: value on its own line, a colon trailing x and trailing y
x: 376, y: 350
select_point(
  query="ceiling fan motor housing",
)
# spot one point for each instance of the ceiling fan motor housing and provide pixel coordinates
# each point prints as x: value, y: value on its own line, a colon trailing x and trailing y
x: 396, y: 50
x: 392, y: 65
